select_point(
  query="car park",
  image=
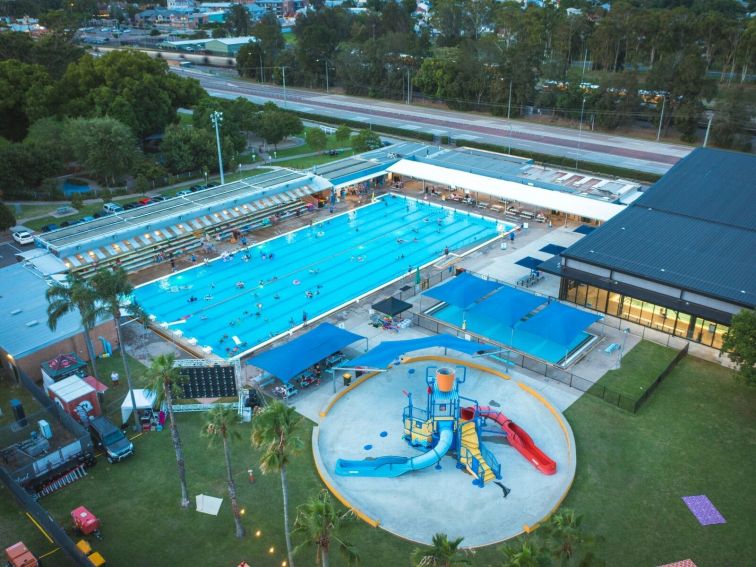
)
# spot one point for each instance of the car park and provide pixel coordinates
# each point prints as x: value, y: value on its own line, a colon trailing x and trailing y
x: 111, y: 439
x: 23, y: 237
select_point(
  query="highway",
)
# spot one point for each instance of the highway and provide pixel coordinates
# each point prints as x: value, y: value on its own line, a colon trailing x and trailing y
x: 619, y: 151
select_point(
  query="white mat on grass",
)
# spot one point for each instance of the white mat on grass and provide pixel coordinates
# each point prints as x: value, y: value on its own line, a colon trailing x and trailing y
x: 208, y: 504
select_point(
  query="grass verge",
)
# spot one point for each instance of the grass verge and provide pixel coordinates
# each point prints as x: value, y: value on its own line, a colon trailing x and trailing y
x: 694, y: 436
x: 640, y: 367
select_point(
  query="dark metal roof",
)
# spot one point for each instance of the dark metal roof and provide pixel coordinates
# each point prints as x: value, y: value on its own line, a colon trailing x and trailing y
x: 695, y: 229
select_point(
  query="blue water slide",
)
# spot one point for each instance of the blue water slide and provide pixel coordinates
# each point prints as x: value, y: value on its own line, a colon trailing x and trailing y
x: 395, y: 466
x: 106, y: 348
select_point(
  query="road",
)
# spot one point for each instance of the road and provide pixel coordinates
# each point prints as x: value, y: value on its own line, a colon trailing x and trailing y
x: 618, y: 151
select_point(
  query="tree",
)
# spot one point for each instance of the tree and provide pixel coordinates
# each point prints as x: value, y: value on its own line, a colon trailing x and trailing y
x: 275, y: 429
x: 77, y: 201
x: 111, y: 288
x: 365, y: 140
x: 733, y: 113
x: 7, y: 219
x: 320, y: 524
x: 275, y: 125
x: 739, y: 344
x: 238, y: 20
x: 565, y: 542
x: 316, y: 139
x: 221, y: 424
x: 75, y: 296
x: 189, y: 149
x: 443, y: 553
x: 522, y: 553
x: 26, y: 92
x: 104, y: 146
x: 24, y: 168
x: 164, y: 380
x: 343, y: 133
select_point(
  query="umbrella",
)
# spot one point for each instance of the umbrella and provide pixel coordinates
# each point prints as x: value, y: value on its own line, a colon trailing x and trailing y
x: 392, y: 306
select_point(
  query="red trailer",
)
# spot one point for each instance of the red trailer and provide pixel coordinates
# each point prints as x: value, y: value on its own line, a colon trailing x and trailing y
x: 75, y: 396
x: 18, y: 555
x: 85, y: 522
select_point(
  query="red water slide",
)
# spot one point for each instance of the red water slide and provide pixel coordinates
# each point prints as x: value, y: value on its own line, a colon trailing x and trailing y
x: 520, y: 440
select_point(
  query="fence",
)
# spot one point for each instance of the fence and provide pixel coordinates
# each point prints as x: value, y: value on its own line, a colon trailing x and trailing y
x: 516, y: 358
x: 185, y: 408
x: 664, y: 373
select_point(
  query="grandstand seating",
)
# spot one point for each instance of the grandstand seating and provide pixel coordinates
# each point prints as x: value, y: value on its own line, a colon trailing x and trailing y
x: 212, y: 381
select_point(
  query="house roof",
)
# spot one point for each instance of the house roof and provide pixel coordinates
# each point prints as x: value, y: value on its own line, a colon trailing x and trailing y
x: 695, y: 228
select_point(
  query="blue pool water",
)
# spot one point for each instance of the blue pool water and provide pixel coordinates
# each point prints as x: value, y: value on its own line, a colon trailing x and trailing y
x: 70, y: 187
x: 336, y: 260
x: 523, y: 341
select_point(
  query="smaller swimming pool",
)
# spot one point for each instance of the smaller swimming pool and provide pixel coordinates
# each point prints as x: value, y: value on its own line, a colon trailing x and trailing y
x: 520, y: 340
x: 71, y: 186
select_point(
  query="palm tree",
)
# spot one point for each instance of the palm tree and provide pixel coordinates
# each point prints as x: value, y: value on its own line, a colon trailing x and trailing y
x: 522, y: 554
x: 443, y: 553
x: 320, y: 525
x: 275, y: 429
x: 164, y: 380
x: 75, y: 295
x: 566, y: 543
x: 221, y: 423
x: 111, y: 288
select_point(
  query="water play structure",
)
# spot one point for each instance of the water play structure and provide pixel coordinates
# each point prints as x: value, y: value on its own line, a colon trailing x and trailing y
x: 445, y: 425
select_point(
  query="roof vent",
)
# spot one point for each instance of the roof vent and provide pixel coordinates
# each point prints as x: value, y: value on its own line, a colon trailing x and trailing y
x: 16, y: 311
x: 32, y: 323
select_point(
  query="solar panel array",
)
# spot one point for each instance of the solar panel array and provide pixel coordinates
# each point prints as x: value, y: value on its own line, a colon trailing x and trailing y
x: 208, y: 382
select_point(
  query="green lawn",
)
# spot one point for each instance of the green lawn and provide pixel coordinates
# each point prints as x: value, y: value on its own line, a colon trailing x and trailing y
x: 332, y: 144
x: 693, y: 436
x: 308, y: 162
x: 639, y: 369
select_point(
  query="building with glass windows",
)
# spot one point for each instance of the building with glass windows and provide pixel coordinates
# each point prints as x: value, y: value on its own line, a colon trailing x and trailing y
x: 681, y: 258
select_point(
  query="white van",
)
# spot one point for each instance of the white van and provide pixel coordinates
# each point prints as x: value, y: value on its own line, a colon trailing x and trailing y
x: 110, y: 208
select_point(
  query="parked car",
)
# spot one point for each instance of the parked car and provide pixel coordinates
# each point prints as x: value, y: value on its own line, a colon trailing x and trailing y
x: 195, y: 188
x: 145, y: 201
x: 111, y: 208
x: 129, y: 206
x: 87, y: 219
x: 212, y: 184
x: 183, y: 193
x: 64, y: 224
x: 108, y: 437
x: 23, y: 237
x: 157, y: 198
x: 49, y: 227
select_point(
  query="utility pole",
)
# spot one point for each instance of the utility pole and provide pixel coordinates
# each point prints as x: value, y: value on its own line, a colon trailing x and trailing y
x: 262, y: 73
x: 326, y: 65
x: 217, y: 118
x: 661, y: 118
x: 283, y: 70
x: 509, y: 104
x: 708, y: 129
x: 580, y: 134
x: 409, y: 87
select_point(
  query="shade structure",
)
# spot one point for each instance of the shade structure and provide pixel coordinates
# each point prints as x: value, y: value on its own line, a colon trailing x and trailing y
x: 463, y: 291
x: 288, y: 360
x: 145, y: 399
x: 392, y: 306
x: 559, y: 323
x: 389, y: 351
x: 507, y: 306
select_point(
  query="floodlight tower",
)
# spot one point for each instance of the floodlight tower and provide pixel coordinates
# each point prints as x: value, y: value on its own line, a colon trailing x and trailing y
x: 216, y: 118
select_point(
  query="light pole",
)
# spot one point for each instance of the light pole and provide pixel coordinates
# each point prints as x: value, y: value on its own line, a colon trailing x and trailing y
x: 708, y: 129
x: 661, y: 118
x: 580, y: 133
x: 326, y: 71
x: 283, y: 73
x: 625, y: 332
x: 217, y: 118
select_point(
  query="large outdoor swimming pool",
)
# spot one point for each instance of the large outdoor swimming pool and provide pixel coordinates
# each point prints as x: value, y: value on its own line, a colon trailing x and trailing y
x: 308, y: 272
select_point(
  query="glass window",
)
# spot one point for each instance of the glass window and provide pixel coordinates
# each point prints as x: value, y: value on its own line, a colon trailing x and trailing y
x: 591, y: 297
x: 613, y: 304
x: 600, y: 304
x: 682, y: 327
x: 708, y: 332
x: 571, y: 291
x: 582, y: 291
x: 719, y: 335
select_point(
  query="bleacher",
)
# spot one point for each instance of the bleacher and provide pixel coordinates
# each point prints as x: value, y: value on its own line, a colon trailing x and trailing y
x: 213, y: 381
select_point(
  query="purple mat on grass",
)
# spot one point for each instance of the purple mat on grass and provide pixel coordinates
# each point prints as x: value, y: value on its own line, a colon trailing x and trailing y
x: 703, y: 510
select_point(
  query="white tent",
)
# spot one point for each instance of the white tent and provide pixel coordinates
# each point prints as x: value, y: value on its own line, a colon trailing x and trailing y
x: 509, y: 190
x: 144, y: 399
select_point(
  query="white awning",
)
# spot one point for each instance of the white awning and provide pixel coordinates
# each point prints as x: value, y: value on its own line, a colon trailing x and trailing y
x: 509, y: 190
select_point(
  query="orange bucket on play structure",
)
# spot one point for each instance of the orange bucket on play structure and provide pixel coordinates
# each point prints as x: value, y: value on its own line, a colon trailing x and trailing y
x: 445, y: 379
